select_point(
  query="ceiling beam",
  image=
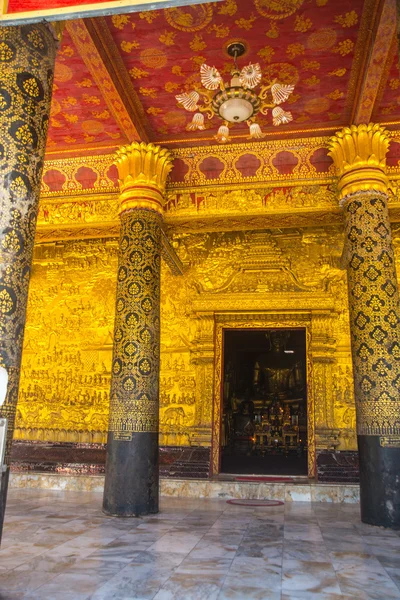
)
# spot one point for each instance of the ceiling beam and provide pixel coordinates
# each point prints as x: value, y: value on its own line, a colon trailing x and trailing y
x: 99, y: 52
x: 383, y: 32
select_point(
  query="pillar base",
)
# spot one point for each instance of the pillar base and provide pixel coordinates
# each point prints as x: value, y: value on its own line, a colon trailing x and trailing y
x: 4, y: 476
x: 132, y: 482
x: 379, y: 483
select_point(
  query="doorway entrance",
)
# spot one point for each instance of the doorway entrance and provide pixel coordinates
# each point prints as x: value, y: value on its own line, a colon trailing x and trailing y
x: 264, y: 398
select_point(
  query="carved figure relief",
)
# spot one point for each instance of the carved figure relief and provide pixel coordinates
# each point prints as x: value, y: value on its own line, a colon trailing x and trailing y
x: 65, y: 378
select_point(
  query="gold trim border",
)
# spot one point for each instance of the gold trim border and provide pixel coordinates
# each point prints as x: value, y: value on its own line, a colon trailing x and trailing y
x: 264, y: 321
x: 88, y: 10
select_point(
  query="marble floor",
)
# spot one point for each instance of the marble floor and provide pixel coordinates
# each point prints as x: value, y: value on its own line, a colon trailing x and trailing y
x: 59, y: 546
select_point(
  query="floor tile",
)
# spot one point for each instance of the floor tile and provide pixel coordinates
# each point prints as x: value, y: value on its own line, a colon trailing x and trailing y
x: 60, y: 546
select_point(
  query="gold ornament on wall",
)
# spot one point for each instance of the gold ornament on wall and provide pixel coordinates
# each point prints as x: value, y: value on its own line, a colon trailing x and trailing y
x: 359, y: 154
x: 142, y: 170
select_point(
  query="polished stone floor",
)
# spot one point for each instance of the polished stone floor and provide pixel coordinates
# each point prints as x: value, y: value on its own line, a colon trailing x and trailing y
x: 59, y: 546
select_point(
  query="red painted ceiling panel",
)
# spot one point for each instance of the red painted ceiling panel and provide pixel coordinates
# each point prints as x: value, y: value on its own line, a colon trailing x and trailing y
x: 309, y: 43
x: 17, y: 6
x: 79, y: 113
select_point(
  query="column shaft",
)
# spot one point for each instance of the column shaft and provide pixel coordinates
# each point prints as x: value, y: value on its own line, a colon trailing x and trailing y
x: 374, y: 320
x: 132, y: 447
x: 359, y: 153
x: 131, y: 483
x: 27, y: 56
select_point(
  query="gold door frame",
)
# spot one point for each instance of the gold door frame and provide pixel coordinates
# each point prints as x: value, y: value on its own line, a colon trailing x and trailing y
x: 265, y: 321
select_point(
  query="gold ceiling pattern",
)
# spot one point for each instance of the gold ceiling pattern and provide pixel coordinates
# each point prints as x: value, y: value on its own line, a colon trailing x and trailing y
x: 116, y: 78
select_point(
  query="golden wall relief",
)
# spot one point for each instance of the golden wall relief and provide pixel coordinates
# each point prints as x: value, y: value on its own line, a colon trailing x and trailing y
x: 68, y: 342
x: 258, y: 199
x: 178, y: 385
x: 209, y: 209
x: 103, y: 209
x: 65, y: 380
x: 66, y: 368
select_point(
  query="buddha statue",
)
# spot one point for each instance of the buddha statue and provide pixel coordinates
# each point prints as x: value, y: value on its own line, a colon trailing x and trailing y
x: 277, y: 375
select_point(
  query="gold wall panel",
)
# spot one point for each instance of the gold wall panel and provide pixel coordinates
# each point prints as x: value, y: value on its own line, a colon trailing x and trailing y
x: 294, y: 273
x: 204, y: 209
x: 263, y: 153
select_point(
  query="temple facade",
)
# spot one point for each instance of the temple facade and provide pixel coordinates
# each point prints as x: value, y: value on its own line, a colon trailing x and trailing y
x: 237, y: 255
x: 197, y: 306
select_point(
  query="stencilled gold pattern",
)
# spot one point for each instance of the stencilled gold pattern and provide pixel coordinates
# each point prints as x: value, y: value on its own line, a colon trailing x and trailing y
x: 136, y: 356
x: 134, y: 396
x: 26, y: 67
x: 374, y: 313
x: 64, y: 391
x: 359, y: 154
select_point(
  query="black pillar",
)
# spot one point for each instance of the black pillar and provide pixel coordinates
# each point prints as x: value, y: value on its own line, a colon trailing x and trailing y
x: 131, y: 482
x: 360, y: 154
x: 27, y: 56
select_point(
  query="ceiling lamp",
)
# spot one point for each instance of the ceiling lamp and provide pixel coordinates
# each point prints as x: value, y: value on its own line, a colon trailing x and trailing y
x: 236, y: 102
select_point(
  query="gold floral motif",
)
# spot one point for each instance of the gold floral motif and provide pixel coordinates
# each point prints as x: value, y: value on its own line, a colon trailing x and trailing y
x: 349, y: 19
x: 6, y: 52
x: 345, y: 47
x: 143, y: 170
x: 323, y: 39
x: 153, y: 58
x: 63, y: 73
x: 277, y: 9
x: 302, y: 24
x: 189, y: 18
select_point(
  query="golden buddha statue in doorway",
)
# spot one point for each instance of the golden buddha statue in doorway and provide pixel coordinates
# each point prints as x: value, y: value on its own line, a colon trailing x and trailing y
x: 277, y: 374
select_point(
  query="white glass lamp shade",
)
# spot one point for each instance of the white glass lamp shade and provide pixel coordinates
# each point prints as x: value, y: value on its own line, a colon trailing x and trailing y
x: 236, y: 110
x: 223, y: 134
x: 197, y: 123
x: 255, y: 131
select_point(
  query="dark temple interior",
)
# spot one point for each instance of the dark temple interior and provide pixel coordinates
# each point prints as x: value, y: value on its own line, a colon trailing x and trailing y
x: 264, y: 425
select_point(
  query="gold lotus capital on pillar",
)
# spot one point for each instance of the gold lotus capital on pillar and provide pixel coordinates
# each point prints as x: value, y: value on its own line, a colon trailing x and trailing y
x: 359, y: 155
x: 142, y: 171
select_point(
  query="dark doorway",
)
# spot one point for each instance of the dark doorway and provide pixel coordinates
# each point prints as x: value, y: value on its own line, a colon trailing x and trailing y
x: 264, y: 425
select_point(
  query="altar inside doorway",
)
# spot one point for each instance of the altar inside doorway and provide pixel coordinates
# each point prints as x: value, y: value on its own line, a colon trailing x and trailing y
x: 264, y: 395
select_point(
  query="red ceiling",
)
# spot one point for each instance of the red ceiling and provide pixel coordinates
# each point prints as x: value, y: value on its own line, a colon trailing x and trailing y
x: 311, y: 43
x: 388, y: 108
x: 312, y: 48
x: 79, y: 113
x: 16, y: 6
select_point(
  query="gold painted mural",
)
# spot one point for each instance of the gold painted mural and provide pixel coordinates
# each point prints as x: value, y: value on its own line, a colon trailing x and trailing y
x: 271, y: 275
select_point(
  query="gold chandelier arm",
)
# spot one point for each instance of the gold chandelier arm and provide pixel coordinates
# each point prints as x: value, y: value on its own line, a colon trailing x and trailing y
x: 265, y: 106
x: 207, y: 110
x: 265, y: 89
x: 206, y: 95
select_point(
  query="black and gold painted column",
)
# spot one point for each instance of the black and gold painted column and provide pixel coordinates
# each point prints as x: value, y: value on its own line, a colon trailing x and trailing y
x: 359, y: 153
x: 27, y: 56
x: 131, y: 483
